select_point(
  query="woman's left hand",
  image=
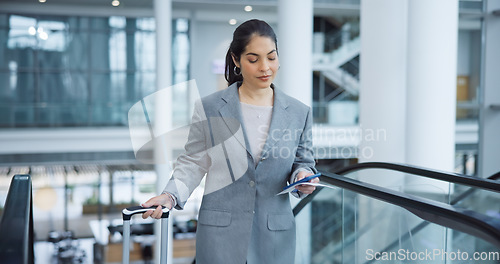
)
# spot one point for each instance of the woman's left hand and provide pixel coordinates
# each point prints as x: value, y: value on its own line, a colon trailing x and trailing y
x: 306, y: 189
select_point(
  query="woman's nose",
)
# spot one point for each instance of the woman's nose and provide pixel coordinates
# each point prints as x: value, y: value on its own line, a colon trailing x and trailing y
x: 264, y: 66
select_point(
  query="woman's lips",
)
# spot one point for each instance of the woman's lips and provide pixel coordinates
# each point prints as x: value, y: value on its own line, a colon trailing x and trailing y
x: 264, y: 78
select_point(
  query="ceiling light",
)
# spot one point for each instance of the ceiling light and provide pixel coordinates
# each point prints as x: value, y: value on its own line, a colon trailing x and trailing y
x: 32, y: 30
x: 115, y: 3
x: 232, y: 21
x: 248, y: 8
x: 42, y: 1
x: 43, y: 35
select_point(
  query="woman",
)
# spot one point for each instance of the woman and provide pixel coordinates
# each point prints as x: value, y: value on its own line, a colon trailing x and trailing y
x: 249, y: 140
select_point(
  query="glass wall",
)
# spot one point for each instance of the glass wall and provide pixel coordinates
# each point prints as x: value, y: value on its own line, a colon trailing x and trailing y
x: 58, y: 71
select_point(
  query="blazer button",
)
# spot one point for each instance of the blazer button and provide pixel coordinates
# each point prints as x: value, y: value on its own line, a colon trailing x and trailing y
x: 264, y: 158
x: 251, y: 183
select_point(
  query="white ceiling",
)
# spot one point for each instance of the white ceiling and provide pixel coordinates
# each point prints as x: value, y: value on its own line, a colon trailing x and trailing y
x: 145, y: 7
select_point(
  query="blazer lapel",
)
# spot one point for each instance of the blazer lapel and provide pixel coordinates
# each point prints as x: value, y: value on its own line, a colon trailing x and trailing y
x: 279, y: 122
x: 231, y: 114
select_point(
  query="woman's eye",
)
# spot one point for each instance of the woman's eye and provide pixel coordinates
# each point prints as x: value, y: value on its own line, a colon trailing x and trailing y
x: 273, y: 58
x: 252, y: 61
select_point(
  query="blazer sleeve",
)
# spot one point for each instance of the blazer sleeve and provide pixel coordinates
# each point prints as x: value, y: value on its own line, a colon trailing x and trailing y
x: 191, y: 166
x: 304, y: 157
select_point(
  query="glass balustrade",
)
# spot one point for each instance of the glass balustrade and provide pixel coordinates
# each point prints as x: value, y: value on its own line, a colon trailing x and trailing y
x: 343, y: 226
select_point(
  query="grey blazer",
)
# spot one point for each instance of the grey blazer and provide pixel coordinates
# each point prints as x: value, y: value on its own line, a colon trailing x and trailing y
x: 240, y: 209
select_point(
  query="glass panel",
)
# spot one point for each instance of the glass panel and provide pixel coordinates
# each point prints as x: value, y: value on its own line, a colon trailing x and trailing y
x: 381, y: 227
x: 4, y: 51
x: 53, y: 88
x: 108, y: 87
x: 24, y: 115
x: 23, y: 32
x: 50, y: 60
x: 146, y: 23
x: 340, y: 226
x: 470, y: 5
x: 19, y: 57
x: 100, y: 88
x: 21, y: 41
x: 22, y: 85
x: 146, y: 83
x: 132, y: 88
x: 7, y: 116
x: 4, y: 20
x: 99, y: 23
x: 118, y: 40
x: 99, y: 51
x: 77, y: 51
x: 76, y: 88
x: 52, y: 35
x: 482, y: 201
x: 404, y: 182
x: 9, y: 84
x: 145, y: 50
x: 78, y: 23
x: 108, y: 99
x: 62, y: 67
x: 17, y: 98
x: 19, y: 21
x: 117, y: 22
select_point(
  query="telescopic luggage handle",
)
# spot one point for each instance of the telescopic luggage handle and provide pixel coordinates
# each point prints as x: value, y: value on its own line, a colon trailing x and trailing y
x: 127, y: 213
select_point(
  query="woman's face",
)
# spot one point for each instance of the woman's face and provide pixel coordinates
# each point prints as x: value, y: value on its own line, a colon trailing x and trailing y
x: 259, y: 62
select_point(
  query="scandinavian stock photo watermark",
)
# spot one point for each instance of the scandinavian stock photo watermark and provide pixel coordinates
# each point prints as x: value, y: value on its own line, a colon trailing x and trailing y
x: 346, y: 142
x: 430, y: 255
x: 155, y: 141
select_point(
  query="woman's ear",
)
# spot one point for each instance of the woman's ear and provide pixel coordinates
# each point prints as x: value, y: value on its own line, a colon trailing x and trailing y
x: 236, y: 62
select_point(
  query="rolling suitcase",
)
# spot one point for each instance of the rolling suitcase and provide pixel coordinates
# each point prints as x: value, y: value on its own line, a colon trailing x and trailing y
x: 127, y: 214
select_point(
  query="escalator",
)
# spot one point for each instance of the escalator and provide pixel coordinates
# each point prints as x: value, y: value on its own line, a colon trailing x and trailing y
x: 375, y: 213
x: 390, y: 213
x: 16, y: 227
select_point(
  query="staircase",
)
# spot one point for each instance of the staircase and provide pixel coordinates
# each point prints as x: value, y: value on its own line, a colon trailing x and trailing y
x: 341, y: 65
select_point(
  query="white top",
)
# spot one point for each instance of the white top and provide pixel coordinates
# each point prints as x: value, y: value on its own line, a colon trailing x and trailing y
x: 257, y: 120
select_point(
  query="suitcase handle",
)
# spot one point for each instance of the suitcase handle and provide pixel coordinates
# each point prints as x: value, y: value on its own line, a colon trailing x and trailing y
x: 128, y: 212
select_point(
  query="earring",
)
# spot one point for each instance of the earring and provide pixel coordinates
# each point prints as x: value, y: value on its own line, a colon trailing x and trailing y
x: 236, y: 72
x: 279, y: 66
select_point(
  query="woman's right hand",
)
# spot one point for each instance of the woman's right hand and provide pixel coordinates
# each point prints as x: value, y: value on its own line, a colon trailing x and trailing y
x: 162, y: 199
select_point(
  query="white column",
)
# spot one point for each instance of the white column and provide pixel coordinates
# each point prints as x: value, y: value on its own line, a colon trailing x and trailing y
x: 431, y: 85
x: 295, y: 21
x: 295, y: 39
x: 382, y: 94
x: 489, y: 125
x: 382, y: 107
x: 163, y: 112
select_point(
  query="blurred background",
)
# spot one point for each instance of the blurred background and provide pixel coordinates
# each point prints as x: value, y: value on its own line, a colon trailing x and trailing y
x: 372, y: 71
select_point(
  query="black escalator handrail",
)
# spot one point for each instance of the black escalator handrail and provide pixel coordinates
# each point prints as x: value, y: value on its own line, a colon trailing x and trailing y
x: 470, y: 222
x: 16, y: 227
x: 398, y: 167
x: 486, y: 184
x: 421, y: 226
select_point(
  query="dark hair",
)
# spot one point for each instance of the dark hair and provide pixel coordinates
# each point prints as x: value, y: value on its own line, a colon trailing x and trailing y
x: 241, y: 37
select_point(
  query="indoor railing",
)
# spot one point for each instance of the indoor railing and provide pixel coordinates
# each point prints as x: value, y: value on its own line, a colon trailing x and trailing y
x: 357, y: 220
